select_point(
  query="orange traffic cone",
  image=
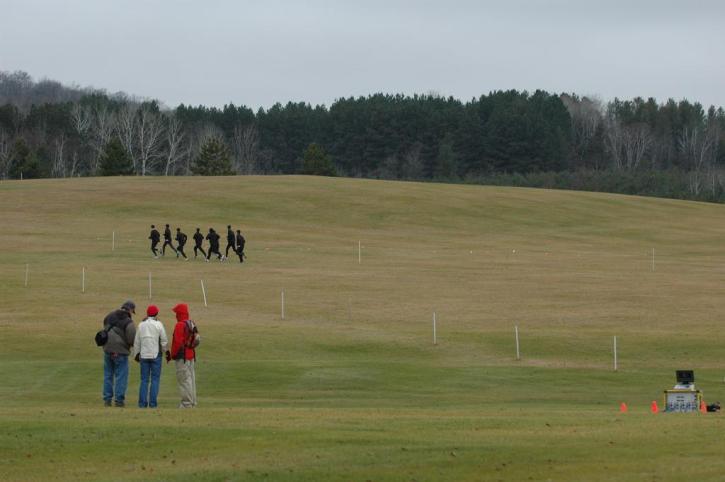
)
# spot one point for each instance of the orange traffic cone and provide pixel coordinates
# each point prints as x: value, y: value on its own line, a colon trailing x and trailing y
x: 653, y: 407
x: 703, y: 407
x: 623, y: 408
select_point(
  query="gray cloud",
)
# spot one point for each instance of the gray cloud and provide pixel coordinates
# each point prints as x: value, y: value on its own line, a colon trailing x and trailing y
x: 260, y: 52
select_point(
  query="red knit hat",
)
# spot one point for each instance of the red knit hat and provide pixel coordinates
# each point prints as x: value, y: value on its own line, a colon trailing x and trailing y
x: 152, y: 310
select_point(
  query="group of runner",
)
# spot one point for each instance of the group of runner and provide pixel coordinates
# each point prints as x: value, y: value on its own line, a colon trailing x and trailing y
x: 235, y: 242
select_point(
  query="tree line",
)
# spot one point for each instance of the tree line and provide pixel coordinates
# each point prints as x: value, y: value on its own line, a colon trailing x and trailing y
x: 520, y: 138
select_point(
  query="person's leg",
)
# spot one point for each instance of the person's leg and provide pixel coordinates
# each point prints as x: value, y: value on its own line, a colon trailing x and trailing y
x: 227, y: 251
x: 155, y: 369
x: 143, y: 388
x: 107, y: 378
x: 121, y: 368
x: 180, y: 249
x: 192, y: 374
x: 184, y: 381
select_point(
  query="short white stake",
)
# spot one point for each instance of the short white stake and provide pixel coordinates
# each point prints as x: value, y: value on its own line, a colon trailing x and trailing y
x: 27, y: 271
x: 359, y: 252
x: 435, y: 339
x: 615, y: 353
x: 518, y: 351
x: 283, y: 304
x: 653, y: 259
x: 149, y: 284
x: 113, y: 241
x: 83, y: 280
x: 203, y: 291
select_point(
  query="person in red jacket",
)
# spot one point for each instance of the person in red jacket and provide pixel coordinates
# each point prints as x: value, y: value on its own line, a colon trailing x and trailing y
x: 183, y: 351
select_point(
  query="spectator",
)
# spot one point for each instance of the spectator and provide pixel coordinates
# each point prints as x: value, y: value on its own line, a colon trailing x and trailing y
x: 149, y: 344
x: 121, y: 335
x: 183, y: 351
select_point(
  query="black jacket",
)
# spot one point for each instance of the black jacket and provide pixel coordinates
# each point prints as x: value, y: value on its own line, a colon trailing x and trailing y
x: 181, y: 238
x: 155, y: 236
x: 198, y: 238
x: 167, y: 234
x: 240, y: 242
x: 230, y: 236
x: 213, y: 240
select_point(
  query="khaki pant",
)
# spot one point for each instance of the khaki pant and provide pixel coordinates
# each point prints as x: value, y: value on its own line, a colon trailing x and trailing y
x: 186, y: 380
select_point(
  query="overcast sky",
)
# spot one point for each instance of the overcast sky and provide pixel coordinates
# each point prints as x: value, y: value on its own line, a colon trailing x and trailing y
x: 257, y: 53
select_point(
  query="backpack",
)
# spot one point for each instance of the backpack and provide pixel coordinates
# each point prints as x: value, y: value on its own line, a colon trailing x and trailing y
x: 192, y: 338
x: 102, y: 336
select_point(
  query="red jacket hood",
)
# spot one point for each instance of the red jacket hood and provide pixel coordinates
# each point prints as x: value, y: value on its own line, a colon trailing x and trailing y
x: 182, y: 311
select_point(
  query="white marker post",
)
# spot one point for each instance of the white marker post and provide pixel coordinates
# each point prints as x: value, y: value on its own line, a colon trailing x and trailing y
x: 615, y: 353
x: 83, y: 280
x: 149, y: 284
x: 283, y: 304
x: 653, y: 259
x: 359, y: 252
x: 435, y: 339
x: 27, y: 271
x: 203, y: 291
x: 518, y: 351
x: 113, y: 241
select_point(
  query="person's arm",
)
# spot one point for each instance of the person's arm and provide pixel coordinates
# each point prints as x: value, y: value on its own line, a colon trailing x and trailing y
x: 177, y: 342
x: 163, y: 338
x: 130, y: 334
x: 136, y: 349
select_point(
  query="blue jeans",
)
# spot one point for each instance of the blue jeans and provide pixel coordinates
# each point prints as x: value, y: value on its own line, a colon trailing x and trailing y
x: 115, y: 377
x: 150, y: 368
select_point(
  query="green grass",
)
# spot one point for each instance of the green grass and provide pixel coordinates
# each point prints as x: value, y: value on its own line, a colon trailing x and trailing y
x: 349, y: 386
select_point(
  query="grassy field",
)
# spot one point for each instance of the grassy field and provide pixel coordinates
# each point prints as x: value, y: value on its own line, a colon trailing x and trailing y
x: 349, y: 386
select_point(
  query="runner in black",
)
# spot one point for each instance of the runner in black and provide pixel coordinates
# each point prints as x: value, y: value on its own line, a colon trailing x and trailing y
x: 181, y: 241
x: 230, y: 241
x: 213, y: 238
x: 240, y: 246
x: 167, y: 241
x: 198, y: 239
x: 155, y: 237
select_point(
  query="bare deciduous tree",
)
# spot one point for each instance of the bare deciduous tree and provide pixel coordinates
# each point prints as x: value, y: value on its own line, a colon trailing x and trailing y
x: 637, y: 139
x: 59, y: 169
x: 412, y: 166
x: 149, y: 131
x: 699, y: 146
x: 246, y: 149
x: 127, y: 127
x: 175, y: 149
x: 81, y: 119
x: 614, y: 139
x: 103, y: 123
x: 6, y: 154
x: 586, y: 117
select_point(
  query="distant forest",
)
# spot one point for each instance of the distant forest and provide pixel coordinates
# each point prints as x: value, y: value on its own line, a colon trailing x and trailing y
x: 672, y: 149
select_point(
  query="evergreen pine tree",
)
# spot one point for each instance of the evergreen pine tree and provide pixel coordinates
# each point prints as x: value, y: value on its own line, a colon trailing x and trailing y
x: 115, y: 160
x: 213, y: 160
x: 26, y: 162
x: 316, y: 162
